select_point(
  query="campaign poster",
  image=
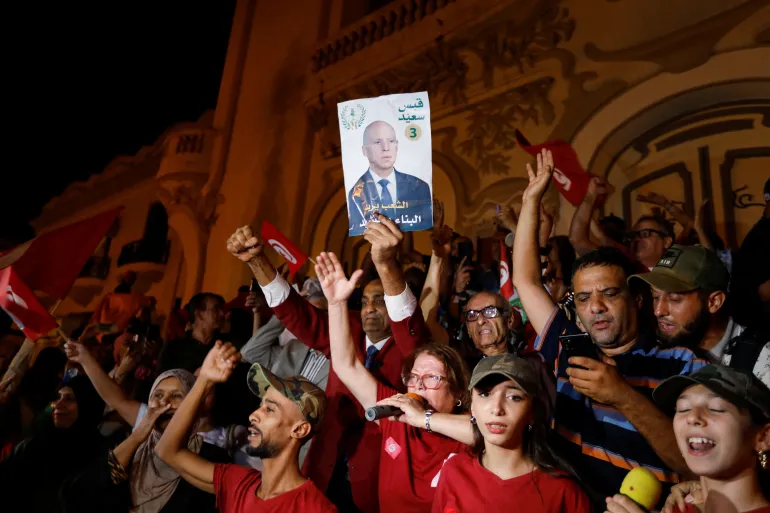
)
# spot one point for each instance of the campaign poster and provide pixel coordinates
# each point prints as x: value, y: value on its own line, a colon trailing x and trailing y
x: 387, y: 160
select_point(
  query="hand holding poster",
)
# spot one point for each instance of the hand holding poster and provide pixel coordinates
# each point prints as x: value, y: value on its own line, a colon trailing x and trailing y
x: 387, y: 161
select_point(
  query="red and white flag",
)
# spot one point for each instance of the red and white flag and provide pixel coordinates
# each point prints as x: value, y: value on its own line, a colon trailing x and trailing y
x: 52, y: 261
x: 506, y: 280
x: 283, y: 246
x: 568, y: 175
x: 49, y: 263
x: 23, y: 306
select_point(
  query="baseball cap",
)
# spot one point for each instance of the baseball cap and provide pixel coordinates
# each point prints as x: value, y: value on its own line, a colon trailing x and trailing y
x: 686, y: 268
x: 510, y: 366
x: 310, y: 399
x: 739, y: 387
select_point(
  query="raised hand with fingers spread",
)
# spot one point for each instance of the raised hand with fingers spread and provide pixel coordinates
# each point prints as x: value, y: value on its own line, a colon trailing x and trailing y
x: 336, y: 286
x: 538, y: 182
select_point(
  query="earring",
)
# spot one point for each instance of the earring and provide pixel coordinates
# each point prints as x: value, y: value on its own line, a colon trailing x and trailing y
x: 529, y: 427
x: 764, y: 461
x: 473, y: 420
x: 459, y: 403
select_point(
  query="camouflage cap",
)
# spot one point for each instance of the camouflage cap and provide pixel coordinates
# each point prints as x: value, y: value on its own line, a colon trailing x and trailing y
x: 686, y: 268
x: 310, y: 399
x: 741, y: 388
x: 512, y: 367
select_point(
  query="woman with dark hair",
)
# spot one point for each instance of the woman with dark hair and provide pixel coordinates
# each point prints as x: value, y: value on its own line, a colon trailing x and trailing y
x: 436, y: 378
x: 512, y: 468
x: 32, y: 476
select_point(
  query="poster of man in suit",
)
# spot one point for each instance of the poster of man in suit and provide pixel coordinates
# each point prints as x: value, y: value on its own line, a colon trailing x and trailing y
x: 387, y: 161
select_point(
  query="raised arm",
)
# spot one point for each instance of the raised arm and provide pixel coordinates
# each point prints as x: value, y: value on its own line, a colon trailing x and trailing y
x: 344, y: 358
x: 431, y: 291
x: 580, y: 226
x: 526, y: 253
x: 172, y: 446
x: 108, y: 389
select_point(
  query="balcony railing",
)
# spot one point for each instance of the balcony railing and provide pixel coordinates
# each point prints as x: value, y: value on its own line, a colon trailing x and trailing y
x: 144, y: 251
x: 96, y: 267
x: 392, y: 18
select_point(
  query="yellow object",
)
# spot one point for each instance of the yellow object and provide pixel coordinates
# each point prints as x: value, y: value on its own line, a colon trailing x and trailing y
x: 641, y: 486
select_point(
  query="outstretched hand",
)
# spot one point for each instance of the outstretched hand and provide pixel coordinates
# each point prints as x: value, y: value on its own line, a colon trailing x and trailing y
x: 220, y: 362
x: 244, y: 244
x: 538, y: 182
x: 78, y: 353
x: 336, y: 286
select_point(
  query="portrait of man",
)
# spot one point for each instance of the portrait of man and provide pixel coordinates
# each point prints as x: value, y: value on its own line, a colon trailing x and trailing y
x: 400, y: 196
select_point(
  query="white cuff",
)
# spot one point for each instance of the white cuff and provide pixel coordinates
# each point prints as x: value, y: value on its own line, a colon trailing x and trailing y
x: 277, y: 291
x: 402, y: 306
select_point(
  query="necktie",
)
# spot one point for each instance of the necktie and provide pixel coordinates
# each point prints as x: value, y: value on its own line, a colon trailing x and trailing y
x: 371, y: 354
x: 386, y: 199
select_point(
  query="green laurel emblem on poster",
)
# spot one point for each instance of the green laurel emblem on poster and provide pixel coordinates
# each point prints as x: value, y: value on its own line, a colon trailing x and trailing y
x: 353, y: 118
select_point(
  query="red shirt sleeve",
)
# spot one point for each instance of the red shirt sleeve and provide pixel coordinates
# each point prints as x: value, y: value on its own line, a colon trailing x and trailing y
x: 226, y: 478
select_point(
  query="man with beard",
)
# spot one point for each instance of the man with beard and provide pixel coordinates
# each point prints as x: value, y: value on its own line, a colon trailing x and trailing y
x: 290, y: 414
x: 689, y: 292
x: 604, y: 411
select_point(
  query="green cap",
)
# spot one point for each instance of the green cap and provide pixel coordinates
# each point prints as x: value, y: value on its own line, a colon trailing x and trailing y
x: 512, y: 367
x: 686, y: 268
x: 310, y: 399
x: 740, y: 388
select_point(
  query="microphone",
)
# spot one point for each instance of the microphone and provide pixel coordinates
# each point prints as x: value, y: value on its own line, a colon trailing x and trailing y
x: 384, y: 411
x: 641, y: 486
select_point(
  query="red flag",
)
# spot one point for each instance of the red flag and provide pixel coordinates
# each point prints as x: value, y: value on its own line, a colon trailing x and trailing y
x: 569, y: 176
x: 506, y: 280
x: 291, y: 253
x: 52, y: 261
x: 22, y: 305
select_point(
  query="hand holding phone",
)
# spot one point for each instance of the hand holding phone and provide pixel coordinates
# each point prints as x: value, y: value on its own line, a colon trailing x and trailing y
x: 579, y: 345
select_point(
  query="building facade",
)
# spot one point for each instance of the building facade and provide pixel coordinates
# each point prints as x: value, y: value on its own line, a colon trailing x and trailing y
x: 670, y: 97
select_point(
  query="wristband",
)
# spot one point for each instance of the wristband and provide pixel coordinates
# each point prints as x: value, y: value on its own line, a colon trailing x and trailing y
x: 428, y: 413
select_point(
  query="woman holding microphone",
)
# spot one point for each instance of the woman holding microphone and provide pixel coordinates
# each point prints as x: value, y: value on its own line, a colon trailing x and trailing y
x: 437, y: 380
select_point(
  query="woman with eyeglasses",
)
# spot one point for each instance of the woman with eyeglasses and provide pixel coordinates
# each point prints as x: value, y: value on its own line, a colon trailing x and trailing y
x: 413, y: 442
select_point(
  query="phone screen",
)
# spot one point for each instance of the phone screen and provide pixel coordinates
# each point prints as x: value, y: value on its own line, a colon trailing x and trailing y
x: 578, y: 345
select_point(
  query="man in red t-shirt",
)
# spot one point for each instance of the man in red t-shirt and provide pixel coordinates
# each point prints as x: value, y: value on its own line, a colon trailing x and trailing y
x: 290, y: 414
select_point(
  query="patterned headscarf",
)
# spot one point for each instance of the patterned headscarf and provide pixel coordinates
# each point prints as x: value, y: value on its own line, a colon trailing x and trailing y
x: 153, y: 482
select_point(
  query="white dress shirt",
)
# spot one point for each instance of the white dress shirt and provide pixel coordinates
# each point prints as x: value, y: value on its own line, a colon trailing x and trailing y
x: 391, y: 184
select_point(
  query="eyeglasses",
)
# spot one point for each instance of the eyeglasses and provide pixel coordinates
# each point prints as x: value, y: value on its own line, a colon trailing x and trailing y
x: 429, y: 381
x: 643, y: 234
x: 489, y: 312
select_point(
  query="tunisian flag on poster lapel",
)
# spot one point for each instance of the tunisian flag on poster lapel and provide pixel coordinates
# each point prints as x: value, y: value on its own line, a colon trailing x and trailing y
x: 569, y: 176
x: 506, y: 280
x: 49, y: 263
x: 22, y: 305
x: 283, y: 246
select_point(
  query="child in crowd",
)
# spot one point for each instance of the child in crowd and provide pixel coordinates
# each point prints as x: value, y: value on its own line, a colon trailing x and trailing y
x: 512, y: 467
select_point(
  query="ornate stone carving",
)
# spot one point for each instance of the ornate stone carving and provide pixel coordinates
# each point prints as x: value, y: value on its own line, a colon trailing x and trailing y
x: 493, y: 123
x: 516, y: 40
x: 204, y: 207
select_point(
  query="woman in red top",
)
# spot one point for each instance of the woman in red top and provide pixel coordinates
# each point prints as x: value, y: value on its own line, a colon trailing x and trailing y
x: 512, y: 468
x: 413, y: 451
x: 722, y: 427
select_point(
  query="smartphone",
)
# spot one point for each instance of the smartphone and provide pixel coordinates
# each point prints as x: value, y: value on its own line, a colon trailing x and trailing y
x: 578, y: 345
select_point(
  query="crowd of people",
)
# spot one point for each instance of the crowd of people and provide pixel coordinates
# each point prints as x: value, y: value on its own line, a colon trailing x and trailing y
x: 417, y: 384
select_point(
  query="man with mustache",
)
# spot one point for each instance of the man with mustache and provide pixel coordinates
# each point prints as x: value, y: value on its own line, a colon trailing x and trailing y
x: 604, y: 412
x: 689, y: 293
x: 344, y: 460
x: 290, y: 414
x: 487, y: 317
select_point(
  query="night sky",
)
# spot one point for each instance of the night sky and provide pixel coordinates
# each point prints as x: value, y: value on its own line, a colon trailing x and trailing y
x: 83, y: 85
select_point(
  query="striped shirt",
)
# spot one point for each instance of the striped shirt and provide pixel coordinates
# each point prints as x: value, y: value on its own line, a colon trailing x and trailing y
x: 598, y: 440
